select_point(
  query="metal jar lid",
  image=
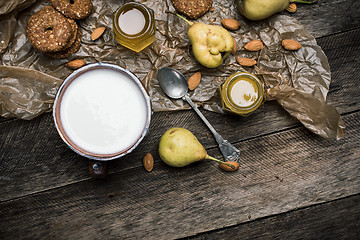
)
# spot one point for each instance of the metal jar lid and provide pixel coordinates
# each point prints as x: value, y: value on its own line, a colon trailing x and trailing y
x: 229, y: 105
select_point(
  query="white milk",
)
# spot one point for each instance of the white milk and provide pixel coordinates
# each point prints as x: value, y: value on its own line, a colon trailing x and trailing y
x: 103, y: 111
x: 244, y: 93
x: 131, y: 22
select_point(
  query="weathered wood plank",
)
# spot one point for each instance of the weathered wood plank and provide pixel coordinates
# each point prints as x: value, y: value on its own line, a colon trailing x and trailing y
x: 329, y: 17
x: 33, y: 155
x: 45, y: 190
x: 292, y: 169
x: 332, y: 220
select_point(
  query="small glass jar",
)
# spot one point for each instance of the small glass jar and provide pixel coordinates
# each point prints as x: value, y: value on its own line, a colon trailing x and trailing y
x: 134, y: 26
x: 242, y: 93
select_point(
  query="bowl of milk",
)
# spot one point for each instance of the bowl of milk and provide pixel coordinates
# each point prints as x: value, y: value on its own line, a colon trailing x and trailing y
x: 102, y: 111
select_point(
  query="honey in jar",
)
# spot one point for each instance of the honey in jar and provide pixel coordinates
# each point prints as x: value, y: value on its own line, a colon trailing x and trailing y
x: 134, y: 26
x: 242, y: 93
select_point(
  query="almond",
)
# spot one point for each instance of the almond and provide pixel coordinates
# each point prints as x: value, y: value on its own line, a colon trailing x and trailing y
x: 231, y: 24
x: 247, y: 62
x: 233, y: 51
x: 97, y: 33
x: 75, y: 64
x: 228, y: 168
x: 290, y: 44
x: 291, y: 8
x: 194, y: 80
x: 148, y: 162
x: 254, y: 45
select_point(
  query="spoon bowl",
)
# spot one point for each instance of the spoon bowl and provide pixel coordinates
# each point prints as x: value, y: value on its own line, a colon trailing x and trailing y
x: 172, y: 82
x: 174, y: 85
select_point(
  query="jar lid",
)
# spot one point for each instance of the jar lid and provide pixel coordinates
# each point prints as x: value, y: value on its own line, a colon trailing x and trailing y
x: 242, y: 93
x: 130, y: 16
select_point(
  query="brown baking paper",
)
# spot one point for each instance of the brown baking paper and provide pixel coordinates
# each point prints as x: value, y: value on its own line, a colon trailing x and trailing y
x: 298, y: 80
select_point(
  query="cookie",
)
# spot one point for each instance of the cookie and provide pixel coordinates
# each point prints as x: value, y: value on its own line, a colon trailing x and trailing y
x: 48, y: 30
x: 192, y: 8
x: 74, y: 9
x: 74, y: 27
x: 71, y: 50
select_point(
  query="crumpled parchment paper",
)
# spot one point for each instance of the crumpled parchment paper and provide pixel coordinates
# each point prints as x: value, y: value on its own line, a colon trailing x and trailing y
x: 299, y: 81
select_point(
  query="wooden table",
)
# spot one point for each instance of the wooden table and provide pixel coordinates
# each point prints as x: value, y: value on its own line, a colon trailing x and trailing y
x: 291, y: 183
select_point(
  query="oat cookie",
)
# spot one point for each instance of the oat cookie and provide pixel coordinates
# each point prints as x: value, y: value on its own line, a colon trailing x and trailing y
x: 67, y: 52
x: 74, y: 27
x: 48, y: 30
x: 192, y: 8
x: 75, y: 9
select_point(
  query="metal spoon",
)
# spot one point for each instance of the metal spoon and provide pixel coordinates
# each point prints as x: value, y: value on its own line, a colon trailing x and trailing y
x: 174, y: 84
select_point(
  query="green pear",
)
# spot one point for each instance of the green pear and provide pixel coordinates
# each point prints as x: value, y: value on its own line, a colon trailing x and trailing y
x: 261, y: 9
x: 211, y: 44
x: 178, y: 147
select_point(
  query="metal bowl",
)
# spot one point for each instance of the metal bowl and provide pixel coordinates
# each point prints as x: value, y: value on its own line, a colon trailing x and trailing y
x: 63, y: 132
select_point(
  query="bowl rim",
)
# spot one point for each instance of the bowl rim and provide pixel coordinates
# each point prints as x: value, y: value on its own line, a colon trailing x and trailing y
x: 57, y: 115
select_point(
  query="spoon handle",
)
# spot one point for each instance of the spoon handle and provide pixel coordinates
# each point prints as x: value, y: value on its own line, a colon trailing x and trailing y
x: 230, y: 152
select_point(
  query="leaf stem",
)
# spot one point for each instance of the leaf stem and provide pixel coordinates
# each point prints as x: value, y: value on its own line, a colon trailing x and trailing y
x: 188, y: 22
x: 302, y: 1
x: 217, y: 160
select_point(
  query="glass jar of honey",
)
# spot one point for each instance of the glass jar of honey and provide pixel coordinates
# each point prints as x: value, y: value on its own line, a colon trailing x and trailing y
x: 134, y: 26
x: 242, y: 93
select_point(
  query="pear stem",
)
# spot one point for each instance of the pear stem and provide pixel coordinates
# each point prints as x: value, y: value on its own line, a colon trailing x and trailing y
x: 217, y: 160
x: 188, y: 22
x: 301, y: 1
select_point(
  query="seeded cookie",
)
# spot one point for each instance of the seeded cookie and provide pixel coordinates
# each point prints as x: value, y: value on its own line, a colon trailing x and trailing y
x: 74, y: 27
x: 48, y: 30
x: 192, y: 8
x: 74, y: 9
x: 67, y: 52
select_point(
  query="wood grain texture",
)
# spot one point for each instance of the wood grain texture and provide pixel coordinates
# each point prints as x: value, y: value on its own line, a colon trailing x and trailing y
x: 329, y: 17
x: 291, y: 183
x: 292, y: 169
x: 42, y: 161
x: 332, y: 220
